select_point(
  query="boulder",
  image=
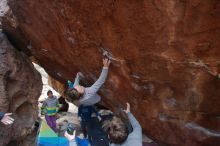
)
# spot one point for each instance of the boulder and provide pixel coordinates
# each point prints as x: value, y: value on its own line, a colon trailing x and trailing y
x: 20, y: 87
x: 165, y: 57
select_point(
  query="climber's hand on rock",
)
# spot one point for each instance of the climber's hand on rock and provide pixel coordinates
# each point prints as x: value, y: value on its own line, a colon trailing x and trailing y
x: 106, y: 62
x: 7, y: 120
x: 70, y: 137
x: 80, y: 119
x: 80, y: 75
x: 128, y: 109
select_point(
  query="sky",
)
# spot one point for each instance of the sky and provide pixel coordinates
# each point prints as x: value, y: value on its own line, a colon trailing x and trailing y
x: 46, y: 87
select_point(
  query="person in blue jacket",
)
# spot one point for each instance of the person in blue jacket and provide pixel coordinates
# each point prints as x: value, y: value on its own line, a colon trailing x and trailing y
x: 5, y: 118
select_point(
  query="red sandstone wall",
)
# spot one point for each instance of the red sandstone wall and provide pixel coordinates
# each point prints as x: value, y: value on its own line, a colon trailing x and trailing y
x: 167, y: 57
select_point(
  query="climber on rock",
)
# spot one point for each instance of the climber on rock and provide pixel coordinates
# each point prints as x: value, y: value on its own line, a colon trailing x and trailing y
x: 6, y: 118
x: 51, y: 107
x: 88, y: 96
x: 118, y: 132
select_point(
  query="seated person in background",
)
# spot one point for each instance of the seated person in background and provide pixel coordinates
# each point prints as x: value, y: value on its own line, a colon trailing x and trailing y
x: 5, y: 118
x: 85, y: 115
x: 64, y: 105
x: 118, y: 132
x: 88, y: 96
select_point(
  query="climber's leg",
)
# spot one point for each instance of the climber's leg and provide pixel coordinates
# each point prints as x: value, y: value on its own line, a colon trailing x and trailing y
x: 83, y: 128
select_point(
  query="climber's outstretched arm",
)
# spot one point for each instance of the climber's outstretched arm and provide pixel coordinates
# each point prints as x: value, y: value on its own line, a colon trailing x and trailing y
x: 102, y: 78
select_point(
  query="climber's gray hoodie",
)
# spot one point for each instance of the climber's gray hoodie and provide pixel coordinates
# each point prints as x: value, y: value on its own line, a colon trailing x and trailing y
x: 134, y: 138
x: 90, y: 96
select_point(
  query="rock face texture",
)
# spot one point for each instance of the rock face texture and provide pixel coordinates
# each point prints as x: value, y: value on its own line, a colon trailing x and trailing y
x: 20, y: 87
x: 166, y: 57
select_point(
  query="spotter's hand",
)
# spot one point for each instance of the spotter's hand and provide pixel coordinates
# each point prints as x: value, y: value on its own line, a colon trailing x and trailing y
x: 128, y: 109
x: 7, y: 120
